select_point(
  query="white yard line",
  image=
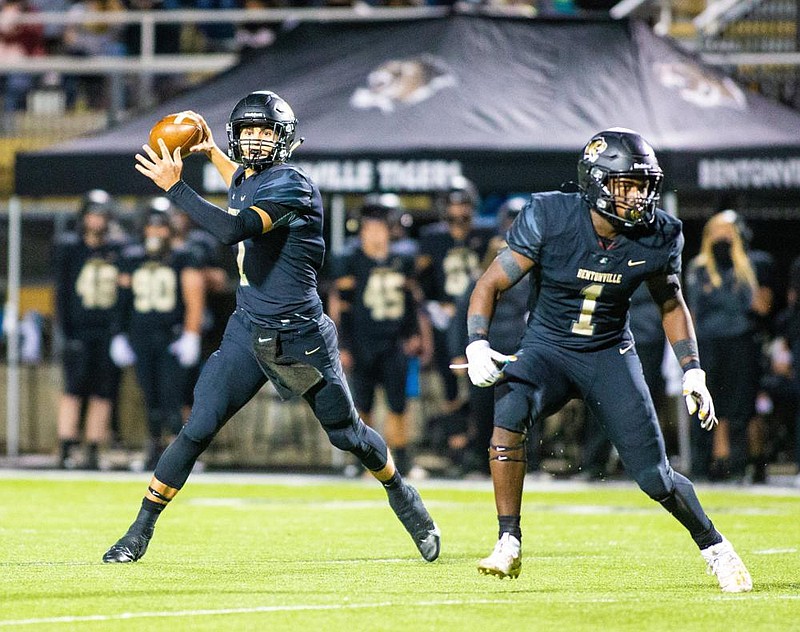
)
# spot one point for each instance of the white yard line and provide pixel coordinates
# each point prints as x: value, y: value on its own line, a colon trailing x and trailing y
x: 124, y: 616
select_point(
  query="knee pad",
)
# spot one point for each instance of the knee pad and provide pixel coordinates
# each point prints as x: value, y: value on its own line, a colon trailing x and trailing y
x: 362, y: 441
x: 655, y: 481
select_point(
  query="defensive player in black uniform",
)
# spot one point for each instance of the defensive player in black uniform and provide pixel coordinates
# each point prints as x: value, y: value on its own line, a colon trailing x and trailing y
x: 590, y: 251
x: 86, y: 271
x: 278, y: 331
x: 378, y: 325
x: 449, y: 260
x: 162, y: 312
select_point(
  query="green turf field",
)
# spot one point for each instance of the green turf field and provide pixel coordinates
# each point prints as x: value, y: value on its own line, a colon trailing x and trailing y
x: 326, y: 555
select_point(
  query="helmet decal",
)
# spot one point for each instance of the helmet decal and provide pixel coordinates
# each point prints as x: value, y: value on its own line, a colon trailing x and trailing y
x: 595, y: 147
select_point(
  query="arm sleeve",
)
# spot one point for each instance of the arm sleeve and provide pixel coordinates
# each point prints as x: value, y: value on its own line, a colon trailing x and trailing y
x: 122, y: 320
x: 229, y: 229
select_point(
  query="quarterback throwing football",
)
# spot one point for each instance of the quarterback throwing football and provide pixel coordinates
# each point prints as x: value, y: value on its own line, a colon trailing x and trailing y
x: 278, y: 331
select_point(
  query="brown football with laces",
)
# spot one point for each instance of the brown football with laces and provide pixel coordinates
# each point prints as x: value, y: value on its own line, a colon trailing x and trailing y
x: 177, y: 130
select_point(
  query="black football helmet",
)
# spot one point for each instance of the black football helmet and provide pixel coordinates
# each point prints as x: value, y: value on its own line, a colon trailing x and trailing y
x: 620, y: 153
x: 462, y: 191
x: 382, y: 206
x: 267, y: 109
x: 97, y: 201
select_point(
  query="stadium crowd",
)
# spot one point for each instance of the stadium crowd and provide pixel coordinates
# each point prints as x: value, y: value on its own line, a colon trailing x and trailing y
x: 89, y: 39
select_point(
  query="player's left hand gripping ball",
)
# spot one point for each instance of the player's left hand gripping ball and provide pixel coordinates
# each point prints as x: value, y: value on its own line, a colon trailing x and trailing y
x: 698, y: 399
x: 485, y: 364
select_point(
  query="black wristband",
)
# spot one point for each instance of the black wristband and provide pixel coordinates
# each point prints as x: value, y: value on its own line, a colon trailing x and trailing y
x: 691, y: 364
x: 477, y: 336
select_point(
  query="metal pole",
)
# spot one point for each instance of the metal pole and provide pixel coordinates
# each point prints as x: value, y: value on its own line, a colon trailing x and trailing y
x: 338, y: 219
x: 147, y: 53
x: 11, y: 325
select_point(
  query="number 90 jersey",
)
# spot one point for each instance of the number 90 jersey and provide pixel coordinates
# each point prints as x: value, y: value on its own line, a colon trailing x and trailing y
x: 584, y: 289
x: 155, y: 288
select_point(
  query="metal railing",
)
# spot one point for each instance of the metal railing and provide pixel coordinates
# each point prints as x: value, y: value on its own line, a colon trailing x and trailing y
x: 147, y: 63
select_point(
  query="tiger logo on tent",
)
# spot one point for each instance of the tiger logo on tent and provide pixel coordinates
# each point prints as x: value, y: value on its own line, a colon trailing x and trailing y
x: 403, y: 82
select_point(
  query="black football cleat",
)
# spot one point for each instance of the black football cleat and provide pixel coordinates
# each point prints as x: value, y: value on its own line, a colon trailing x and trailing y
x: 129, y: 548
x: 415, y: 518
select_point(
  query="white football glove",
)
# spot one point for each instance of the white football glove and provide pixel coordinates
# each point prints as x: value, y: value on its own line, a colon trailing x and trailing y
x: 121, y: 352
x: 698, y: 399
x: 186, y: 349
x: 485, y: 364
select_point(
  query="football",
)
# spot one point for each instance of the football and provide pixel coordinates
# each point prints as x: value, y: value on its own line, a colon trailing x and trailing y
x: 177, y: 130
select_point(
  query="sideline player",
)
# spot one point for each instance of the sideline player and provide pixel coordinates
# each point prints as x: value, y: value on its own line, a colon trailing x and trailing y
x: 278, y: 331
x: 86, y: 271
x: 590, y: 251
x: 160, y: 319
x: 378, y: 326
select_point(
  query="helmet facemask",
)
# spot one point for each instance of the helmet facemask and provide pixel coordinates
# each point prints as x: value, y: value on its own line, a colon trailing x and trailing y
x: 627, y: 199
x: 257, y: 154
x: 620, y: 178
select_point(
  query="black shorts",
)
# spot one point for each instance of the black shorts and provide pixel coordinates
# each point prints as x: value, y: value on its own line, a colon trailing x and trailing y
x: 388, y: 367
x: 88, y: 369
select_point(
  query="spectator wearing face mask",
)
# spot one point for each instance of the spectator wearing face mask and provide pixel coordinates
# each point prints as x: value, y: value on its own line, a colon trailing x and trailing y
x: 728, y: 300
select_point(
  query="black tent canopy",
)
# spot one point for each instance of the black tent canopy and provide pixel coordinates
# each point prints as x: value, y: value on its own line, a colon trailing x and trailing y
x: 403, y: 106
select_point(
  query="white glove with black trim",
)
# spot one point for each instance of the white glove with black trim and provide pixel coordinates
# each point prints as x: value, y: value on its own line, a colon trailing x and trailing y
x: 485, y: 364
x: 121, y: 352
x: 698, y: 399
x: 186, y: 349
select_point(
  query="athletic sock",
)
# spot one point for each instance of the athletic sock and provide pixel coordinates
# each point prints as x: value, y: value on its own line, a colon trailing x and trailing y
x: 92, y: 462
x: 394, y: 484
x: 66, y: 448
x: 510, y: 525
x: 146, y: 519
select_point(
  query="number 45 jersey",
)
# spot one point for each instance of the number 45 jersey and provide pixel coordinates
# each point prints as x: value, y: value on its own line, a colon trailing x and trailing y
x: 584, y: 288
x: 382, y: 305
x: 86, y: 285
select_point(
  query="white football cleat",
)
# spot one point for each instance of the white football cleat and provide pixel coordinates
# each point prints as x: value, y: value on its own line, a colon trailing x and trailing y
x: 731, y: 572
x: 505, y: 560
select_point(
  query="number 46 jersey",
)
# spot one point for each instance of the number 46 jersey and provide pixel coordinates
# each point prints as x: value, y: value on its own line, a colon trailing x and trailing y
x: 584, y: 286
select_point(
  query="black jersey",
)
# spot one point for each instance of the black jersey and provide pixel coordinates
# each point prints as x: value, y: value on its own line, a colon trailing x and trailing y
x: 382, y: 307
x: 86, y: 285
x: 584, y: 289
x: 454, y: 264
x: 278, y: 270
x: 156, y: 298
